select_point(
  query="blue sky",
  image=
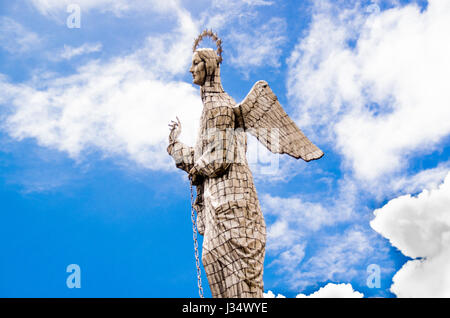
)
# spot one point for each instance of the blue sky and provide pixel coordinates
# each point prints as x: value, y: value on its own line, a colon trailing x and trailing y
x: 85, y: 178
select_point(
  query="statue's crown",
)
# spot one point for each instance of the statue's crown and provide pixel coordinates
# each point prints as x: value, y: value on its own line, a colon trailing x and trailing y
x: 213, y: 36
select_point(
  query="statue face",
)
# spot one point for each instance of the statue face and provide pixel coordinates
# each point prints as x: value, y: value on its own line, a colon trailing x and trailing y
x: 198, y: 70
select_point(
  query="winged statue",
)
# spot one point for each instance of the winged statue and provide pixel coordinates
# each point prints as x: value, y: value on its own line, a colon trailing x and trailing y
x: 228, y: 211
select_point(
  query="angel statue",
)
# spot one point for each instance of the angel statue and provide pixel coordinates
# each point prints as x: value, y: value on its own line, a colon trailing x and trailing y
x: 228, y: 211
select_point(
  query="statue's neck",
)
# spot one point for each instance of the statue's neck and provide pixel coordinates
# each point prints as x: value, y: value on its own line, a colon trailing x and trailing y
x: 212, y: 84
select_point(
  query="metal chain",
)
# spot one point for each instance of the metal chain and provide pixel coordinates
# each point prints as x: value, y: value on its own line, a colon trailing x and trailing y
x: 194, y: 235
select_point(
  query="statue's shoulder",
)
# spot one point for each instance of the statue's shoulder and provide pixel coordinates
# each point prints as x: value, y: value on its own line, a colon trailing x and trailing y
x: 225, y: 100
x: 219, y: 100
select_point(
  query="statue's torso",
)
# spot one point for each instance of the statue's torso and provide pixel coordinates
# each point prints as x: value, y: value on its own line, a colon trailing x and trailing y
x: 232, y: 195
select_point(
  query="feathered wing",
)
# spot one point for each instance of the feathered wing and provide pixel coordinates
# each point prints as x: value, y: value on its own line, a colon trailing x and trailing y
x: 261, y: 114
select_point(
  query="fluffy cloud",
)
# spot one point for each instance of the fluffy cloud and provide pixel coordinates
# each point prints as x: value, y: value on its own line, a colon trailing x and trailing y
x: 334, y: 291
x: 424, y: 179
x: 375, y: 83
x: 117, y: 107
x: 420, y: 228
x: 270, y: 294
x: 121, y: 106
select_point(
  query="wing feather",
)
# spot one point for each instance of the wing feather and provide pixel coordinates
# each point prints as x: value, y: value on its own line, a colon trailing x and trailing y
x: 262, y: 115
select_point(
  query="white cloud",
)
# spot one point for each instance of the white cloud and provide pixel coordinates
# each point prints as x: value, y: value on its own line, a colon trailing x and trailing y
x: 340, y: 257
x: 270, y: 294
x: 170, y: 53
x: 384, y: 100
x: 334, y: 291
x: 329, y: 291
x: 216, y: 13
x: 289, y: 260
x: 397, y: 184
x: 250, y: 41
x: 116, y: 107
x: 295, y: 218
x: 258, y: 2
x: 337, y: 255
x: 258, y: 47
x: 121, y: 106
x: 15, y: 38
x: 295, y: 225
x: 420, y: 228
x: 117, y: 7
x: 424, y: 179
x: 69, y: 52
x: 219, y: 14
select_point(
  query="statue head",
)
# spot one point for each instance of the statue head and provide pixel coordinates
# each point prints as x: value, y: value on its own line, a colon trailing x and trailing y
x: 206, y: 62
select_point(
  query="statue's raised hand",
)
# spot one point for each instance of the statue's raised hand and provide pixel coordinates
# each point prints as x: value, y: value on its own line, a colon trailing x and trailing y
x: 175, y: 131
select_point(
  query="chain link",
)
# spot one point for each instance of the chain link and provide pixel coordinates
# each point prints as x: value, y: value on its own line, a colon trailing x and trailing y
x: 194, y: 235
